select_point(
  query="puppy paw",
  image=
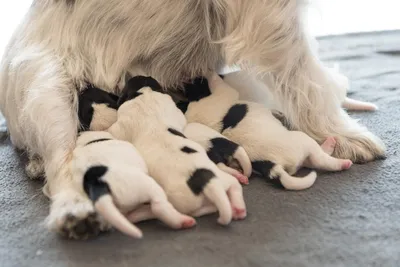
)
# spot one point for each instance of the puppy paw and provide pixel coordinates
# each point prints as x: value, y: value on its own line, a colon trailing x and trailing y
x: 329, y: 145
x: 238, y: 213
x: 188, y: 222
x: 346, y: 164
x: 73, y: 216
x: 241, y: 178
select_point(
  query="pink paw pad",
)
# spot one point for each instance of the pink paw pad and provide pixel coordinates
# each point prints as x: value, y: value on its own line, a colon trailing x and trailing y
x: 242, y: 179
x: 188, y: 223
x: 239, y: 214
x: 347, y: 164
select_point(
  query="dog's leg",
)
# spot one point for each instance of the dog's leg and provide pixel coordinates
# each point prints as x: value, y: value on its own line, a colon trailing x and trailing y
x: 305, y: 90
x: 46, y: 124
x: 35, y: 167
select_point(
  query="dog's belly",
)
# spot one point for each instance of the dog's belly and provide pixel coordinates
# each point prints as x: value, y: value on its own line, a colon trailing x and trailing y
x: 100, y: 42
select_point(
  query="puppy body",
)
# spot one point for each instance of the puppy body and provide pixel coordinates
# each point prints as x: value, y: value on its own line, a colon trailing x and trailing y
x: 115, y: 177
x: 220, y: 150
x: 273, y: 150
x: 192, y: 182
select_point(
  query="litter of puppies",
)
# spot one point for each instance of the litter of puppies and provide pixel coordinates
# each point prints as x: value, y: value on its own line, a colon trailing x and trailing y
x: 141, y: 156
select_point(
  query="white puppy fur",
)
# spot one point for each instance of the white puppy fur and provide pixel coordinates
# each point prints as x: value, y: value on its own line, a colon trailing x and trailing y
x: 192, y: 182
x: 116, y: 179
x: 273, y: 150
x: 220, y: 150
x: 62, y: 44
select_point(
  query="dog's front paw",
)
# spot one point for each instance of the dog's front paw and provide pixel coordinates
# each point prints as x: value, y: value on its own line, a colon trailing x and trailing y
x: 73, y: 216
x: 360, y: 147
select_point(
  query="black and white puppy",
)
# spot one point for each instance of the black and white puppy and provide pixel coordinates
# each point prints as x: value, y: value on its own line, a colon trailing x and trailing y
x: 221, y: 150
x: 193, y: 183
x: 275, y: 151
x: 97, y: 109
x: 115, y: 177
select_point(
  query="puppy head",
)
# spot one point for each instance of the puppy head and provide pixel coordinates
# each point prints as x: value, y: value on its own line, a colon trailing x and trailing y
x: 85, y: 138
x: 97, y: 109
x: 138, y: 85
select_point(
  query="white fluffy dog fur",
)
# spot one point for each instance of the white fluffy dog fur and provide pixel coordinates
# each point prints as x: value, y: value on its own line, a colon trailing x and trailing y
x: 274, y: 151
x: 192, y: 182
x: 116, y: 179
x: 221, y: 150
x: 62, y: 44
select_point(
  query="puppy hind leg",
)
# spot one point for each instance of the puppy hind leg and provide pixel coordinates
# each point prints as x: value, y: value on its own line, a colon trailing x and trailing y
x: 142, y: 213
x: 235, y: 173
x: 235, y: 194
x: 165, y: 212
x: 319, y: 159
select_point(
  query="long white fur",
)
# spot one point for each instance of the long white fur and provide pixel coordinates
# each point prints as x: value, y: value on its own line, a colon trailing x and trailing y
x: 202, y: 135
x: 263, y: 136
x: 62, y: 44
x: 147, y: 129
x: 128, y: 180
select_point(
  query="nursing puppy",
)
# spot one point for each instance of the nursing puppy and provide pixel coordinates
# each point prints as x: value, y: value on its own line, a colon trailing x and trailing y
x: 221, y: 150
x: 275, y: 151
x: 115, y: 177
x: 97, y: 109
x: 193, y: 183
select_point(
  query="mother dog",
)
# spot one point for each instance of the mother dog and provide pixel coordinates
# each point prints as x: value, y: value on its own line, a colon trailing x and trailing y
x: 61, y: 45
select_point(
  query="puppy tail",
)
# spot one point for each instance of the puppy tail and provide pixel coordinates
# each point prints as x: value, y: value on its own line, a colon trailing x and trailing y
x: 352, y: 104
x: 245, y: 163
x: 215, y: 192
x: 290, y: 182
x: 106, y: 208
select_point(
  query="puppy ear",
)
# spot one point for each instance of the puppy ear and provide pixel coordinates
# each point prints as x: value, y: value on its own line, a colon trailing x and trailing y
x: 113, y: 97
x: 136, y: 83
x: 183, y: 106
x: 197, y: 89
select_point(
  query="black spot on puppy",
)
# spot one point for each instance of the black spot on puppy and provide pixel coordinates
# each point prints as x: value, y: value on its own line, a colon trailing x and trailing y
x: 93, y: 186
x: 176, y: 132
x: 90, y: 96
x: 199, y: 179
x: 221, y: 150
x: 188, y: 150
x: 263, y: 167
x: 136, y: 83
x: 98, y: 140
x: 234, y: 115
